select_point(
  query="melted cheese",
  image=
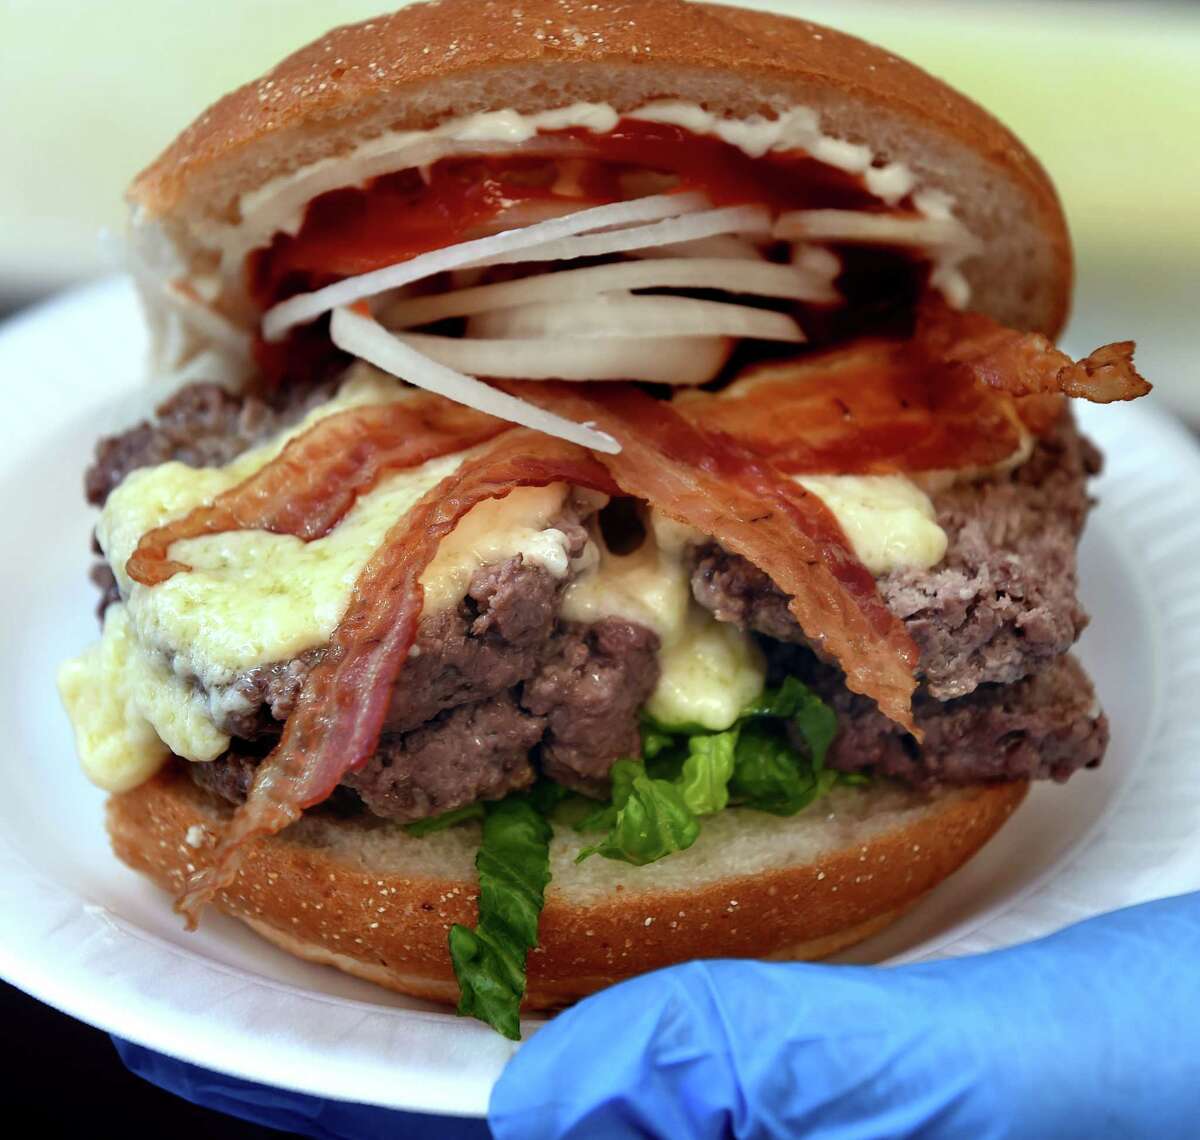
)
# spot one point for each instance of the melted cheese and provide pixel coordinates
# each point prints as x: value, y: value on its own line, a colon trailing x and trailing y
x: 252, y: 597
x: 709, y: 671
x: 649, y: 586
x: 130, y: 712
x: 888, y: 520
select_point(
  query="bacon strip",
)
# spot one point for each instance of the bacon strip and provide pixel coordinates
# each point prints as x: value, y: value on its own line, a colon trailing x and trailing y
x: 871, y: 407
x: 1024, y: 364
x: 707, y: 480
x: 338, y: 718
x: 311, y: 484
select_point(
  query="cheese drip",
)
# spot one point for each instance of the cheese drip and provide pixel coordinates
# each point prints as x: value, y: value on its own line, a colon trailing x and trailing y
x: 709, y: 671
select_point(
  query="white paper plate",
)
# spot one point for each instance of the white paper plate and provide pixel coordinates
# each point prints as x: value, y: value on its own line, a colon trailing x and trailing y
x: 80, y: 931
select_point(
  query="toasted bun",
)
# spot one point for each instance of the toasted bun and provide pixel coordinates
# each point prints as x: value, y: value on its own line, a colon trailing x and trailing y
x: 371, y: 900
x: 433, y: 61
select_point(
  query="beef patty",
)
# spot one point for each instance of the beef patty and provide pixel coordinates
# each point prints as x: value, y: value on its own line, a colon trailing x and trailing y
x: 499, y: 688
x: 574, y: 714
x: 1044, y: 727
x: 202, y: 425
x: 1000, y: 605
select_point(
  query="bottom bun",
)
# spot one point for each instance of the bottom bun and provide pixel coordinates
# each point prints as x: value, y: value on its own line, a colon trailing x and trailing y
x: 362, y: 895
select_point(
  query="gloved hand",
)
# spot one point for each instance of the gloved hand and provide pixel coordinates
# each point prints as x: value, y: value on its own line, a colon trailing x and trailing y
x: 290, y: 1111
x: 1092, y: 1032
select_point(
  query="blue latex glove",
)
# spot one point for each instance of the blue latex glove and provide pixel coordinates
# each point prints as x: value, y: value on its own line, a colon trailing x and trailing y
x: 291, y: 1111
x: 1093, y: 1032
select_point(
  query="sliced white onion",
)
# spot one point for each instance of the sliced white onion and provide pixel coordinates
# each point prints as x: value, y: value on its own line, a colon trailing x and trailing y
x: 626, y: 315
x: 307, y: 306
x: 669, y: 360
x: 758, y: 278
x: 880, y: 229
x: 726, y: 220
x: 819, y: 265
x: 817, y: 260
x: 719, y: 245
x: 949, y: 280
x: 363, y: 337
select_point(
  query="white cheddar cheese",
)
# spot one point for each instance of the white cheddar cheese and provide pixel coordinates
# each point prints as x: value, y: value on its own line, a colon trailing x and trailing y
x: 130, y: 711
x: 251, y: 597
x: 709, y: 671
x: 888, y: 520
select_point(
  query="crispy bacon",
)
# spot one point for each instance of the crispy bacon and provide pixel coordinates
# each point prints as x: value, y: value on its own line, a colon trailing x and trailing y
x: 340, y: 713
x: 707, y: 480
x: 871, y: 407
x: 311, y: 484
x: 952, y: 397
x: 1022, y: 363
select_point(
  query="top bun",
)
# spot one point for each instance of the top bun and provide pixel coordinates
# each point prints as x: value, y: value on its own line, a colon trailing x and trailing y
x: 433, y: 61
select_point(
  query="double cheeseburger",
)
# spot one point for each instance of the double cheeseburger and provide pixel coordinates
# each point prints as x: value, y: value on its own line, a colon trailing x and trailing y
x: 616, y: 499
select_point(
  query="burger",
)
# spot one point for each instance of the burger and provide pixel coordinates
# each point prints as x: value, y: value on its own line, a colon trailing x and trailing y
x: 615, y: 499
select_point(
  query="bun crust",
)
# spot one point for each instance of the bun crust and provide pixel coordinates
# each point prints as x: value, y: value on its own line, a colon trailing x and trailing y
x: 372, y: 901
x: 433, y: 61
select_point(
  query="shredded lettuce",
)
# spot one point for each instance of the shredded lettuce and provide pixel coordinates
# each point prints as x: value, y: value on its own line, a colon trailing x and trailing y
x: 767, y: 776
x: 770, y: 775
x: 688, y: 773
x: 796, y: 702
x: 704, y: 780
x: 649, y: 819
x: 514, y: 867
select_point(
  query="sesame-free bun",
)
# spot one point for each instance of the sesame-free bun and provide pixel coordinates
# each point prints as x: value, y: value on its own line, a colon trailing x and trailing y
x: 430, y: 62
x: 366, y: 897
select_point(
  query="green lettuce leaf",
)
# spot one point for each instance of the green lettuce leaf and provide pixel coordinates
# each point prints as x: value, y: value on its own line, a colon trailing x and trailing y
x: 689, y: 773
x: 769, y: 775
x: 652, y: 822
x: 545, y: 796
x: 514, y: 867
x: 656, y: 804
x: 795, y: 701
x: 704, y: 780
x: 604, y: 817
x: 446, y: 819
x: 653, y: 814
x: 655, y: 738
